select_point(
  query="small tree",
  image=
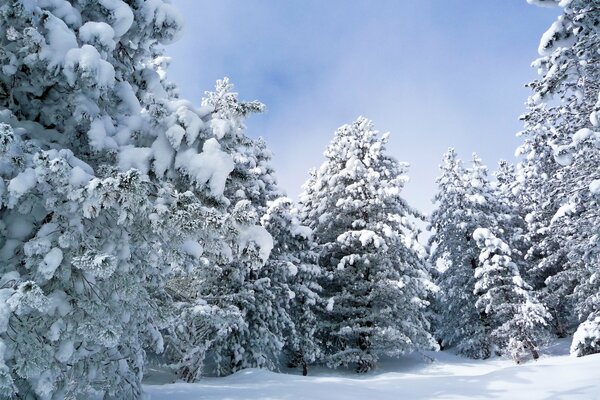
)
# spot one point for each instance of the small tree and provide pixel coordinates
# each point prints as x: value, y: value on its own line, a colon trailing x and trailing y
x: 514, y: 314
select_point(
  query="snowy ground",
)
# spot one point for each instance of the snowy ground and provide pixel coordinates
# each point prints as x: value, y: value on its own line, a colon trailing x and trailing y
x: 555, y: 376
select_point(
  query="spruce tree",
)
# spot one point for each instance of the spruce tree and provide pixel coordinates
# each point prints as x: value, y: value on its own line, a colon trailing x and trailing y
x: 82, y: 268
x: 515, y: 317
x: 375, y: 278
x: 234, y: 305
x: 461, y: 207
x: 558, y: 172
x: 294, y: 254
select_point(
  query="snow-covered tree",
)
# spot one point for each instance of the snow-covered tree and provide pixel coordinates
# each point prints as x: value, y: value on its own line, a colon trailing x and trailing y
x: 252, y: 177
x: 245, y: 285
x: 82, y: 268
x: 461, y: 207
x: 559, y: 170
x: 234, y: 307
x: 375, y: 277
x: 294, y: 253
x: 515, y: 317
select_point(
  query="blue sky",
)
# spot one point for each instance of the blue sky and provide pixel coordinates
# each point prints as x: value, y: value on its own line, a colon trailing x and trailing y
x: 435, y: 73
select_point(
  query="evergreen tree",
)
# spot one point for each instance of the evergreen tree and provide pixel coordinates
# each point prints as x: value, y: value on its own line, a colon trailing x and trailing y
x: 294, y: 253
x: 234, y: 305
x: 82, y: 265
x: 375, y: 278
x: 558, y: 172
x: 461, y: 208
x: 505, y: 299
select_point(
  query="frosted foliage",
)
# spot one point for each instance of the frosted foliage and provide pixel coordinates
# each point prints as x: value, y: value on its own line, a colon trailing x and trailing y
x: 90, y: 228
x: 558, y: 171
x: 463, y: 204
x: 211, y: 167
x: 294, y: 258
x: 73, y: 276
x: 375, y: 279
x: 514, y: 317
x: 232, y: 289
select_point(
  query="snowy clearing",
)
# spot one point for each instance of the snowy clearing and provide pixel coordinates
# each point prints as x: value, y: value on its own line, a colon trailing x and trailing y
x: 555, y: 376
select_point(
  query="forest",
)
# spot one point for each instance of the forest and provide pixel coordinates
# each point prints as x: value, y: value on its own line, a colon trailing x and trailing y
x: 139, y: 230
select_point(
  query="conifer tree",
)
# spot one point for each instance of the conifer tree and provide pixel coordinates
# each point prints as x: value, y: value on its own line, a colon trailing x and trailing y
x: 375, y: 278
x: 234, y: 305
x: 558, y: 172
x: 461, y: 207
x: 82, y: 266
x: 515, y: 317
x: 294, y: 253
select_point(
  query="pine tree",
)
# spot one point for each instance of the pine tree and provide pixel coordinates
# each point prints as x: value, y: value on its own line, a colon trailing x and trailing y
x: 505, y: 299
x: 375, y: 278
x: 461, y: 208
x: 82, y: 267
x: 234, y: 305
x: 294, y: 253
x: 558, y: 171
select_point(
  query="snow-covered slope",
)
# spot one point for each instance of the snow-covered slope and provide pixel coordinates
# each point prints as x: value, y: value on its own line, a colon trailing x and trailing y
x: 555, y: 376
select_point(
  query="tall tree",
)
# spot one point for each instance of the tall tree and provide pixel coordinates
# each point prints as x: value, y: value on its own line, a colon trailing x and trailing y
x: 461, y: 207
x: 515, y: 317
x: 294, y: 254
x: 559, y: 171
x: 78, y: 252
x: 234, y: 304
x: 375, y: 277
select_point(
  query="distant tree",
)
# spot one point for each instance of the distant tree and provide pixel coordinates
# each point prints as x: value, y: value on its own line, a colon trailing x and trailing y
x: 462, y: 206
x: 515, y: 317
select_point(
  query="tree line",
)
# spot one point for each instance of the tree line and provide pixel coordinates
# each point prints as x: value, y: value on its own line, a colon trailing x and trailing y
x: 137, y: 228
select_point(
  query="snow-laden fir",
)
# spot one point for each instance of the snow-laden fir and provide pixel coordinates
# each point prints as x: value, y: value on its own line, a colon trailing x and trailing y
x: 141, y: 232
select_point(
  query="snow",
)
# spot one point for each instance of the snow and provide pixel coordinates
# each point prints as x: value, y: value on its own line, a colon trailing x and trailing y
x: 122, y: 15
x: 564, y: 210
x: 22, y: 183
x: 98, y: 32
x: 544, y: 3
x: 192, y: 248
x: 554, y: 37
x: 135, y: 157
x: 163, y: 154
x: 79, y: 177
x: 330, y: 304
x: 219, y: 127
x: 60, y: 40
x: 260, y: 236
x: 595, y: 186
x: 302, y: 231
x: 5, y: 311
x: 50, y: 263
x: 87, y: 62
x: 192, y: 122
x: 582, y: 135
x: 65, y: 351
x: 212, y: 166
x: 586, y: 331
x: 63, y: 10
x: 175, y: 134
x: 555, y: 376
